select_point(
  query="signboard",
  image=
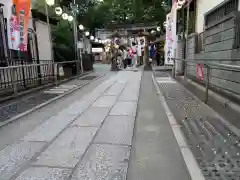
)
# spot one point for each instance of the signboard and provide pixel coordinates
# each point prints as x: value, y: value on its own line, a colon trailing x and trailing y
x: 170, y: 46
x: 18, y: 25
x: 200, y: 74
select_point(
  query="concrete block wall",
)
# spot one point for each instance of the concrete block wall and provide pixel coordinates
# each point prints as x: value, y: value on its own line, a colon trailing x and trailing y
x: 219, y: 41
x: 180, y: 55
x: 191, y: 53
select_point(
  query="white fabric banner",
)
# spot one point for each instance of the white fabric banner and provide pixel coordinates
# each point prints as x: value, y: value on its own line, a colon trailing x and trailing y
x: 13, y: 29
x: 171, y: 40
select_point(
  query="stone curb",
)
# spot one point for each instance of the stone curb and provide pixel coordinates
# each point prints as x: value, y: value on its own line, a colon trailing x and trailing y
x: 46, y: 103
x: 188, y: 157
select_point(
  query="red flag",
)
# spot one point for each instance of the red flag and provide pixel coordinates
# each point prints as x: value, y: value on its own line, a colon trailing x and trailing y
x: 199, y: 69
x: 23, y: 13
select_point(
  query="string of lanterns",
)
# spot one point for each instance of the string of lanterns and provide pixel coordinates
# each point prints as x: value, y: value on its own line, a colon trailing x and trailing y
x: 70, y: 18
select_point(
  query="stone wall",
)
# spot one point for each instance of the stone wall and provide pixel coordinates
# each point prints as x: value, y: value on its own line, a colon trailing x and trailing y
x: 220, y: 46
x: 180, y: 55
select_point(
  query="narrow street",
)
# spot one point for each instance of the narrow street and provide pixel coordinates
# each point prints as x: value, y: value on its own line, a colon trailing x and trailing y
x: 119, y: 90
x: 114, y: 128
x: 126, y: 125
x: 90, y: 137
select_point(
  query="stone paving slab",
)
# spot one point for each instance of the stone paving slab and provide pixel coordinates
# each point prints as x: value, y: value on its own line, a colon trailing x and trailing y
x: 76, y: 108
x: 105, y: 101
x: 94, y: 116
x: 124, y: 109
x: 104, y: 162
x: 13, y: 157
x: 104, y: 86
x: 116, y: 130
x: 68, y: 148
x: 50, y: 128
x: 131, y: 92
x: 44, y: 173
x: 116, y: 89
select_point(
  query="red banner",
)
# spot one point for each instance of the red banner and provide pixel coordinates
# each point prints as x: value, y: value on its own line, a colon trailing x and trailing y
x: 23, y: 13
x: 200, y: 74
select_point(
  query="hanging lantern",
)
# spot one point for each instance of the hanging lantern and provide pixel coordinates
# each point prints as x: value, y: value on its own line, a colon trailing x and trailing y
x: 50, y: 2
x: 65, y: 16
x: 70, y: 18
x: 58, y: 11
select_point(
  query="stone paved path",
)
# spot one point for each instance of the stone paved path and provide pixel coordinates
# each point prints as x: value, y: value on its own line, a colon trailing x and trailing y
x: 90, y: 139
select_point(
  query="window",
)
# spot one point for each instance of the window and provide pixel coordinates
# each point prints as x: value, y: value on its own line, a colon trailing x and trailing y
x: 221, y: 11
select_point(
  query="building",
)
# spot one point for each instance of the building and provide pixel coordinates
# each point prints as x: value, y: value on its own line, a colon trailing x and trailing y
x: 38, y: 52
x: 38, y: 47
x: 213, y: 35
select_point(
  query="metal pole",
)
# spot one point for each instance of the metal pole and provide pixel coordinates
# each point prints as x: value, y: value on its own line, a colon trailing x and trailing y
x: 207, y: 83
x: 174, y: 68
x: 49, y: 31
x: 75, y: 34
x: 81, y: 60
x: 75, y: 38
x: 186, y: 45
x: 80, y: 53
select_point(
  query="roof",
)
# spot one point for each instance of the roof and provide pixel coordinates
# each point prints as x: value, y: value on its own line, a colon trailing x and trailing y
x: 133, y: 26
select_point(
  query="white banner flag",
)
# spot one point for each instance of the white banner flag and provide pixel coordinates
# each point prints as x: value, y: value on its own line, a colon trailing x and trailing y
x: 171, y: 34
x: 13, y: 29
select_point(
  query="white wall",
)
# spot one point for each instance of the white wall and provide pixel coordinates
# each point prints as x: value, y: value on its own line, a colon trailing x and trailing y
x: 203, y: 6
x: 44, y: 47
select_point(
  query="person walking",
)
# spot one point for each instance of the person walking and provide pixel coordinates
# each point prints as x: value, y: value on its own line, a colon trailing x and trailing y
x: 125, y: 53
x: 152, y: 53
x: 134, y: 54
x: 129, y: 57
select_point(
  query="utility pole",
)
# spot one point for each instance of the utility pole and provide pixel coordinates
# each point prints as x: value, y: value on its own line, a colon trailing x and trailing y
x: 49, y: 31
x: 186, y: 44
x: 74, y: 9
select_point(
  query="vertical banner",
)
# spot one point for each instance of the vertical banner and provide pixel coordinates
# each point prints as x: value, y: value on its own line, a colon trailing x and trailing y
x: 13, y: 29
x: 199, y: 72
x: 18, y: 25
x: 171, y: 41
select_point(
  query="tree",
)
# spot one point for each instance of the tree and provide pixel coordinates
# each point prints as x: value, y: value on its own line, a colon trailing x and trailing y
x: 99, y: 15
x: 62, y: 35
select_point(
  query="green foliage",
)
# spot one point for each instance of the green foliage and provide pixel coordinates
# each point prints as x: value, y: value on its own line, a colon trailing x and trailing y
x: 96, y: 14
x: 123, y: 11
x: 63, y: 42
x: 62, y: 35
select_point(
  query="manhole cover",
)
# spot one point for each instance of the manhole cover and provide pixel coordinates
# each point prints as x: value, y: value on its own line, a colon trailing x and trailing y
x: 88, y: 78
